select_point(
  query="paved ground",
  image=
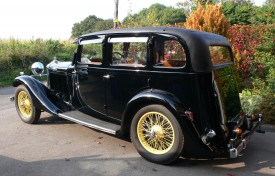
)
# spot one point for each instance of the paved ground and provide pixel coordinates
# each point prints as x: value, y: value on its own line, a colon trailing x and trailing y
x: 61, y: 148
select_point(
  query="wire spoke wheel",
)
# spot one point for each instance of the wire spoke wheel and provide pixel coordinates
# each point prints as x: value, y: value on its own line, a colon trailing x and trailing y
x: 24, y: 104
x: 25, y: 107
x: 155, y: 133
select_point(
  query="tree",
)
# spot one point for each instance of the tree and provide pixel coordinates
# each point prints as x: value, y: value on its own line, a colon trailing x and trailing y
x: 91, y: 24
x: 264, y: 15
x: 238, y: 11
x: 155, y: 15
x: 209, y: 19
x: 270, y: 2
x: 189, y: 6
x: 244, y: 12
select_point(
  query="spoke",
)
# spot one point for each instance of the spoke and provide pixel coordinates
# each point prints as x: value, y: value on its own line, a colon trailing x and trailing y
x: 158, y: 119
x: 151, y: 120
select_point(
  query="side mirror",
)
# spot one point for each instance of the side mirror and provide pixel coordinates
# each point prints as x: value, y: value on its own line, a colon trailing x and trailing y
x: 37, y: 68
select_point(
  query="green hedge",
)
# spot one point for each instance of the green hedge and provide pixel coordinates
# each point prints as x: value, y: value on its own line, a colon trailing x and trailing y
x: 18, y: 55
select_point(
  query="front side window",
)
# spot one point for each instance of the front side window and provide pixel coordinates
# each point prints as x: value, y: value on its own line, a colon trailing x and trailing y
x: 168, y: 52
x: 129, y: 51
x: 92, y: 51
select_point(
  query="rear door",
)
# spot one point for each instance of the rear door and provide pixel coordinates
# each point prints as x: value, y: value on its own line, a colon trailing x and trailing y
x: 127, y: 71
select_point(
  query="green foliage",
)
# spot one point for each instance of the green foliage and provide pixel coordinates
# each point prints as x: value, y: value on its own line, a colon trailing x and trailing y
x: 155, y: 15
x: 238, y: 13
x: 18, y: 55
x: 91, y: 24
x: 249, y: 101
x: 247, y: 13
x: 270, y: 2
x: 254, y: 51
x: 263, y: 15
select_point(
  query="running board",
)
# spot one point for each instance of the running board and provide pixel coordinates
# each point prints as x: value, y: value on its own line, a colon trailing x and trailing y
x: 89, y: 121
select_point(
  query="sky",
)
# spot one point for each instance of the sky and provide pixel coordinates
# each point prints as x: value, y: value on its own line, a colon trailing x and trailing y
x: 54, y: 19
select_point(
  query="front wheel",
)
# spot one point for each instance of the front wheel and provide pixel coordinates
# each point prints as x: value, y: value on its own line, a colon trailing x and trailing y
x: 24, y: 106
x: 157, y: 135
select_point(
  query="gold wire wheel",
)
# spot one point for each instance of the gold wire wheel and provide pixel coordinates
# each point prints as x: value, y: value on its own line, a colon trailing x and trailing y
x: 24, y: 104
x: 155, y: 133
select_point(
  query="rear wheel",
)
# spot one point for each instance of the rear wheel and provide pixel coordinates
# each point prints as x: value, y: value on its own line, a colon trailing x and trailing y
x: 24, y: 106
x: 157, y: 135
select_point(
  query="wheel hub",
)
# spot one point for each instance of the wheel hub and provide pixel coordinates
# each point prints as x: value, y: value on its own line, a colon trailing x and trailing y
x: 157, y: 132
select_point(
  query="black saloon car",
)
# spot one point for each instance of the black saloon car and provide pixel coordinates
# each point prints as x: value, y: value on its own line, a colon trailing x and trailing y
x: 173, y: 90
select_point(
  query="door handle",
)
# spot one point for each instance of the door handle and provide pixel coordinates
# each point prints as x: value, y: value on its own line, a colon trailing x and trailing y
x: 107, y: 76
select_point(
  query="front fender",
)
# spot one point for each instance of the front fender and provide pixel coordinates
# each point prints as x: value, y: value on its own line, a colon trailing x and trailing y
x: 147, y: 97
x: 39, y: 92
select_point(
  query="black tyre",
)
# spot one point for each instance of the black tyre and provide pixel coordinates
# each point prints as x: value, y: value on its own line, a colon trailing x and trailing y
x: 24, y: 106
x: 157, y: 135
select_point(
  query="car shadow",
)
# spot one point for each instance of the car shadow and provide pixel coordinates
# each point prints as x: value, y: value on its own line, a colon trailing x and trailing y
x: 257, y: 159
x: 53, y: 120
x: 107, y: 166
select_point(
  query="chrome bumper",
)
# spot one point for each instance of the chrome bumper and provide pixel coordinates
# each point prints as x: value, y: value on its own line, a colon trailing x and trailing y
x: 236, y: 151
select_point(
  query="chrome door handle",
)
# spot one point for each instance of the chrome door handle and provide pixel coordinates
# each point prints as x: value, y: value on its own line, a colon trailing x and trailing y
x: 107, y: 76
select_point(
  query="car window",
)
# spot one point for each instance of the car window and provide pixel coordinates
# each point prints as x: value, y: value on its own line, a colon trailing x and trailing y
x: 219, y: 54
x: 92, y: 51
x: 129, y: 51
x: 168, y: 52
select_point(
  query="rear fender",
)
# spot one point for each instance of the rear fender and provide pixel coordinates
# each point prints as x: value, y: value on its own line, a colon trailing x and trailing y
x: 39, y: 92
x: 147, y: 97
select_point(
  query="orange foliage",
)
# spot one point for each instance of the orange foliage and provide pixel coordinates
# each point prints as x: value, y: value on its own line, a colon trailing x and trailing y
x: 209, y: 19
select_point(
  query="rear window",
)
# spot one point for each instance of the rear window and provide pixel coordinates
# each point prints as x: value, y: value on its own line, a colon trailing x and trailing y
x: 219, y: 54
x: 168, y: 52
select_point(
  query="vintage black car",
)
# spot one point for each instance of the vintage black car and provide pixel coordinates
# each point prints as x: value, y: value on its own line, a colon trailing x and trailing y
x: 173, y: 90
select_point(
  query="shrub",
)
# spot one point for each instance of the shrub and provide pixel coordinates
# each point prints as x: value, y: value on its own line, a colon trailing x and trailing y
x: 253, y: 47
x: 209, y: 19
x: 18, y: 55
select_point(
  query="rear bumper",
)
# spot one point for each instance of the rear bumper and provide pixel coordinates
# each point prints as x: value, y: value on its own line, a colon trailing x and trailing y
x: 236, y: 151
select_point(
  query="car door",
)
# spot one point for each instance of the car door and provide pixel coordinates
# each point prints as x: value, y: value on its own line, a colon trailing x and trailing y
x: 128, y: 73
x: 90, y: 74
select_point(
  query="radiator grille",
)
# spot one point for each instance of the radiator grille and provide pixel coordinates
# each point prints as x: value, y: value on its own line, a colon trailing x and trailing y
x: 58, y: 82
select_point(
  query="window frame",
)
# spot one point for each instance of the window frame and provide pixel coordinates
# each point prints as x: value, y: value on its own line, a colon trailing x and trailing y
x: 165, y: 68
x: 109, y: 50
x: 91, y: 40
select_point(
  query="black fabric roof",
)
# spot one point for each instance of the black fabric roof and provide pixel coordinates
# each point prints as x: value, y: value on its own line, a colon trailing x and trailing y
x: 197, y: 42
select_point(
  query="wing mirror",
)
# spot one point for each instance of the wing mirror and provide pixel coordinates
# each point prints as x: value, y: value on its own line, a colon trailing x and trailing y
x: 37, y: 68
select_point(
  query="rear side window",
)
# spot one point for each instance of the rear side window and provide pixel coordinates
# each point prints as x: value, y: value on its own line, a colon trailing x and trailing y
x: 129, y: 51
x: 168, y: 52
x: 219, y: 55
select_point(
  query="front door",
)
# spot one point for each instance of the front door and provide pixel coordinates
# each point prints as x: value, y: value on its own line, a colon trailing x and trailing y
x: 90, y: 73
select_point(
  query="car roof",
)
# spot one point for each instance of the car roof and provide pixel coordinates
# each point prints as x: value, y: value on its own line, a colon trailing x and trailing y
x: 198, y: 42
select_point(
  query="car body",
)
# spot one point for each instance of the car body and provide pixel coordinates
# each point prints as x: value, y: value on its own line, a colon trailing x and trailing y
x: 173, y: 90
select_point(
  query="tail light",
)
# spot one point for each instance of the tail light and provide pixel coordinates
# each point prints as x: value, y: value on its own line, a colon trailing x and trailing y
x: 238, y: 131
x: 190, y: 115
